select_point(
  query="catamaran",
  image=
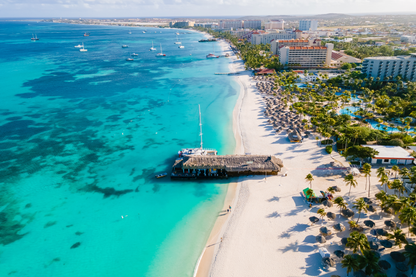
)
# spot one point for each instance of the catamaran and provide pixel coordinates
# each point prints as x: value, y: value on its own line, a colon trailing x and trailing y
x: 34, y: 37
x: 177, y: 42
x: 83, y: 49
x: 198, y: 151
x: 161, y: 52
x: 152, y: 48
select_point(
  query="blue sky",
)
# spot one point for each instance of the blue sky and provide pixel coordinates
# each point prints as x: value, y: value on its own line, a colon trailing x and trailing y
x: 166, y: 8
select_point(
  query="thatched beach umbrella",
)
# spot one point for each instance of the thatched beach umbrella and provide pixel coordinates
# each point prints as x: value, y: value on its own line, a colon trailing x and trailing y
x: 329, y: 262
x: 402, y: 267
x: 390, y: 223
x: 331, y: 215
x: 381, y: 232
x: 336, y: 188
x: 347, y: 213
x: 386, y: 243
x: 398, y: 257
x: 367, y: 200
x: 372, y: 209
x: 325, y: 231
x: 327, y: 203
x: 344, y: 241
x: 320, y: 239
x: 369, y: 223
x: 384, y: 264
x: 313, y: 219
x: 339, y: 227
x: 374, y: 245
x: 401, y: 274
x: 339, y: 253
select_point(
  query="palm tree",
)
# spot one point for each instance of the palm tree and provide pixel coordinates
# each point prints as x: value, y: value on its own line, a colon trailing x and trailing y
x: 366, y: 172
x: 404, y: 172
x: 360, y: 205
x: 350, y: 263
x: 408, y: 216
x: 331, y: 190
x: 410, y: 253
x: 309, y: 193
x: 357, y: 241
x: 384, y: 179
x: 381, y: 196
x: 340, y: 202
x: 309, y: 178
x: 395, y: 169
x: 398, y: 237
x: 397, y: 185
x: 392, y: 201
x: 369, y: 260
x: 350, y: 181
x: 381, y: 171
x: 321, y: 212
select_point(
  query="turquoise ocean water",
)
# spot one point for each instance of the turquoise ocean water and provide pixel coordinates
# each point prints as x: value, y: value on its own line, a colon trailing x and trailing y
x: 82, y: 136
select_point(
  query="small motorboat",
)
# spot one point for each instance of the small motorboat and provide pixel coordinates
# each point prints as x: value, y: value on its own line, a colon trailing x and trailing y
x: 78, y: 46
x: 129, y: 59
x: 134, y: 54
x: 181, y: 46
x: 124, y: 46
x: 161, y: 175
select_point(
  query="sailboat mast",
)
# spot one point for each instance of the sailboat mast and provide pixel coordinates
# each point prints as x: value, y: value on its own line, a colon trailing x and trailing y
x: 200, y: 124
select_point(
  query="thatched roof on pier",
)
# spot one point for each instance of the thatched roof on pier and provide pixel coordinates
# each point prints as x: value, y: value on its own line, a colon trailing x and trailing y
x: 234, y: 163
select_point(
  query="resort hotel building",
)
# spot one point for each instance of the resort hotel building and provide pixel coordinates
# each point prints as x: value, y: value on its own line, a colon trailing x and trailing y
x: 268, y: 37
x: 306, y: 56
x: 382, y: 67
x: 308, y: 25
x: 275, y: 25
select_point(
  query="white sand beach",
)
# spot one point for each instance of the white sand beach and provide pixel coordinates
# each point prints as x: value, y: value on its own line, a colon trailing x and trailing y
x: 268, y: 232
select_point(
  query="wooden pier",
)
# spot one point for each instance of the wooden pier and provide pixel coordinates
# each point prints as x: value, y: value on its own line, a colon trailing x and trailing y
x: 222, y: 167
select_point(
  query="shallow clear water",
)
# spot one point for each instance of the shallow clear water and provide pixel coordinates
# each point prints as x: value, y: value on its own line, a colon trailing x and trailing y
x: 82, y: 135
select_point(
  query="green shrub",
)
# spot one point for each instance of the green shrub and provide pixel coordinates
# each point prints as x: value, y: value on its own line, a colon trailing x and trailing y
x: 396, y: 142
x: 327, y: 141
x: 328, y: 149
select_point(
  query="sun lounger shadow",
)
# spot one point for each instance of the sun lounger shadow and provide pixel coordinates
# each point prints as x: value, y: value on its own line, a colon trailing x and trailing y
x: 273, y: 215
x: 274, y: 198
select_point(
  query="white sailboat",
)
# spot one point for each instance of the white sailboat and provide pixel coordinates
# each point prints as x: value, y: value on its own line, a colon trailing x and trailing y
x: 83, y: 49
x: 78, y: 46
x: 152, y: 48
x: 198, y: 151
x: 34, y: 38
x: 129, y: 32
x: 177, y: 42
x: 161, y: 53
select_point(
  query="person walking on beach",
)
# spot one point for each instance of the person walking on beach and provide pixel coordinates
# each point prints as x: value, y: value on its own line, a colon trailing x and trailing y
x: 230, y: 208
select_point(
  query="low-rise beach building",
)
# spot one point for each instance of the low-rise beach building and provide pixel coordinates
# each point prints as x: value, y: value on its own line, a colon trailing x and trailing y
x: 213, y: 167
x: 339, y: 58
x: 394, y: 155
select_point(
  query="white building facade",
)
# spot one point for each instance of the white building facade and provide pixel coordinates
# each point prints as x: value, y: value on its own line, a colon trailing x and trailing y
x: 382, y: 67
x: 339, y: 58
x: 308, y: 25
x: 275, y: 25
x: 252, y: 24
x: 390, y: 155
x: 268, y: 37
x: 231, y: 24
x: 275, y: 45
x: 306, y: 56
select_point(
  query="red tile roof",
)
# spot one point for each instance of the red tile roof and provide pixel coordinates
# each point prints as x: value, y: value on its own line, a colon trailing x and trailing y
x: 307, y: 47
x: 294, y: 40
x: 297, y: 31
x: 335, y: 55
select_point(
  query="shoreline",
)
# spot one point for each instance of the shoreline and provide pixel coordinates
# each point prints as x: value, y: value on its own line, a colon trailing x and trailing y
x: 206, y: 259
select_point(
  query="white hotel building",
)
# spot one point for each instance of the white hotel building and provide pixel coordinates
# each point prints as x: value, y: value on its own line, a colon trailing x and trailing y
x: 308, y: 25
x: 306, y: 56
x: 383, y: 67
x: 268, y: 37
